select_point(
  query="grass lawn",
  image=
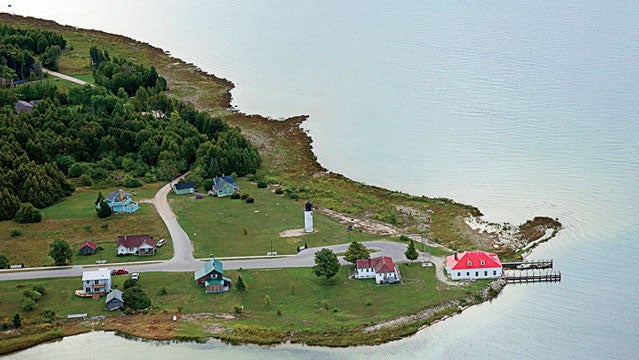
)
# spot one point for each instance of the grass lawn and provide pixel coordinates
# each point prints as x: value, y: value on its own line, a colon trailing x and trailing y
x: 306, y: 302
x: 228, y: 227
x: 75, y: 221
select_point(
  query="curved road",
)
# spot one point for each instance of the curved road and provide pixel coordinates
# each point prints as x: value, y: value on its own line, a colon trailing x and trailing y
x: 183, y: 260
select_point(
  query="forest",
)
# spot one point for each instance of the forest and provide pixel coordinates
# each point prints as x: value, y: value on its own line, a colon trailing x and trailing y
x: 122, y: 129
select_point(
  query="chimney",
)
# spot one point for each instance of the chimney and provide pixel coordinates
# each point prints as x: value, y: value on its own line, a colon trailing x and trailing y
x: 456, y: 256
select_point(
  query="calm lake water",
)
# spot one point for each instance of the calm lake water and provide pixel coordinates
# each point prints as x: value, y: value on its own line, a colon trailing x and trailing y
x: 519, y: 108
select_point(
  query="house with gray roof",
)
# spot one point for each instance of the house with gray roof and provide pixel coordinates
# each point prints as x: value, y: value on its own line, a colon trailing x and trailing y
x: 225, y: 185
x: 114, y: 300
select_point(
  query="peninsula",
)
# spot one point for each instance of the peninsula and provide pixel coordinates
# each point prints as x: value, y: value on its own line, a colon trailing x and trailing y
x: 280, y: 303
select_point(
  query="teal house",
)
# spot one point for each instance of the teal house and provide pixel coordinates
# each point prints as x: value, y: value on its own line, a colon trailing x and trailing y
x: 121, y: 202
x: 225, y: 185
x: 211, y: 276
x: 184, y: 188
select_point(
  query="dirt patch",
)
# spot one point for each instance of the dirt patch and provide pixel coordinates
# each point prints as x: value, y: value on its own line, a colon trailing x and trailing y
x: 216, y: 329
x: 292, y: 233
x: 366, y: 225
x: 155, y: 326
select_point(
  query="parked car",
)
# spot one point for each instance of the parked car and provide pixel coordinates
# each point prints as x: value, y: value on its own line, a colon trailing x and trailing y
x: 119, y: 271
x: 160, y: 243
x: 135, y: 276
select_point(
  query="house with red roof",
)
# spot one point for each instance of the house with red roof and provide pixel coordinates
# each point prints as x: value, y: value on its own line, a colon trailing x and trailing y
x: 88, y: 248
x: 471, y: 265
x: 136, y: 244
x: 381, y: 268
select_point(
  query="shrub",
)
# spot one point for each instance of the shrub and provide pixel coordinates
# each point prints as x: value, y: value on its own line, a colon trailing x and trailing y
x: 279, y: 191
x: 48, y: 315
x: 250, y: 200
x: 279, y: 312
x: 261, y: 184
x: 244, y: 196
x: 85, y: 180
x: 235, y: 196
x: 32, y: 295
x: 129, y: 283
x: 238, y: 309
x: 39, y: 288
x: 131, y: 182
x: 28, y: 214
x: 28, y: 305
x: 15, y: 233
x: 4, y: 261
x: 251, y: 177
x: 163, y: 290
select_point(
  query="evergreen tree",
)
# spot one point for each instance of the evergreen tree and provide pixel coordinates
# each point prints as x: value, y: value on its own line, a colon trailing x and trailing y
x: 411, y: 252
x: 60, y: 252
x: 103, y: 210
x: 356, y: 251
x: 326, y: 264
x: 9, y: 205
x: 16, y: 321
x: 241, y: 286
x: 4, y: 261
x: 28, y: 214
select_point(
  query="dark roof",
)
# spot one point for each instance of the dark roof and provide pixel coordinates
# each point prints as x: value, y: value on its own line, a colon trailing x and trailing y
x: 135, y: 241
x: 89, y: 244
x: 220, y: 181
x: 184, y: 185
x: 22, y: 106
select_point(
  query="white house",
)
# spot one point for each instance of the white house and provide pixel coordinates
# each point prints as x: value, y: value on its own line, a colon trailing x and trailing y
x: 96, y: 281
x: 471, y: 265
x: 136, y: 244
x: 381, y: 268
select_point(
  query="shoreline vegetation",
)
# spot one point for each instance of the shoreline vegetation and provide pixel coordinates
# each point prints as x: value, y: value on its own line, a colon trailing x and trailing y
x: 288, y: 162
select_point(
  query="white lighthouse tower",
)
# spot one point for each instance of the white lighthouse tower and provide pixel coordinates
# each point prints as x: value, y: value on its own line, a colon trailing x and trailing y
x: 308, y: 217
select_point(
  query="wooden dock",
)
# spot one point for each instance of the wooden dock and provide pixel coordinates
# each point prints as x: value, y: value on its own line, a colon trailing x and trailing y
x: 532, y: 278
x: 528, y: 265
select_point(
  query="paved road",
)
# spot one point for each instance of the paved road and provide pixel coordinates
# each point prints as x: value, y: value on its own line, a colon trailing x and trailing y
x: 183, y: 260
x: 65, y: 77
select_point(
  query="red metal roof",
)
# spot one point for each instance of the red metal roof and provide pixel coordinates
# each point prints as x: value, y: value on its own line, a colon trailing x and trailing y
x: 380, y: 264
x: 383, y: 264
x: 475, y: 259
x: 363, y: 264
x: 135, y: 241
x: 88, y: 243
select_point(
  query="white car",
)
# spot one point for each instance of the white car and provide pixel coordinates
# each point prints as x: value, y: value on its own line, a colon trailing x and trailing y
x: 160, y: 243
x: 135, y: 276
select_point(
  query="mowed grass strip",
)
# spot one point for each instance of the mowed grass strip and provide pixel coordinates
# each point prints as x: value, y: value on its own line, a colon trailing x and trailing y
x: 74, y: 220
x: 233, y: 227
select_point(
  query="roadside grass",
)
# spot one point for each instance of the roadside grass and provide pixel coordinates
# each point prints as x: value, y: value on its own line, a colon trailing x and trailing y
x: 233, y: 227
x: 75, y: 221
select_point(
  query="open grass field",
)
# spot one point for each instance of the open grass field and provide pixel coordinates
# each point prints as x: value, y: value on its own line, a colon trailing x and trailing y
x: 74, y: 220
x: 233, y: 227
x: 305, y: 302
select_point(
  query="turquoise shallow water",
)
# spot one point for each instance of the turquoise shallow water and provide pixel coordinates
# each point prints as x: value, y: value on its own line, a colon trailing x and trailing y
x: 519, y: 109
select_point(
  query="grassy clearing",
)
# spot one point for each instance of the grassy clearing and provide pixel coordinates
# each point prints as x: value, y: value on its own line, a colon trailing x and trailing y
x: 228, y: 227
x: 75, y: 221
x: 305, y: 302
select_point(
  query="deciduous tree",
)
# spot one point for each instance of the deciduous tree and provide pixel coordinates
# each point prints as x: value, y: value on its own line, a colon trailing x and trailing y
x: 326, y: 264
x: 60, y: 251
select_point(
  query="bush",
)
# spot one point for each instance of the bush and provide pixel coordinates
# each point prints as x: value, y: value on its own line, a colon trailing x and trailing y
x: 261, y: 184
x: 4, y: 261
x: 131, y: 182
x: 163, y: 290
x: 279, y: 191
x: 85, y: 180
x: 39, y: 288
x: 129, y: 283
x: 250, y: 200
x: 28, y: 305
x: 32, y: 295
x: 28, y: 214
x: 238, y: 309
x: 235, y: 195
x: 244, y: 196
x: 15, y: 233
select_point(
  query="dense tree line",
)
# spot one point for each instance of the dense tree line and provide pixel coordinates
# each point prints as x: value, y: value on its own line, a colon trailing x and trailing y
x: 94, y: 134
x: 18, y: 48
x: 115, y: 74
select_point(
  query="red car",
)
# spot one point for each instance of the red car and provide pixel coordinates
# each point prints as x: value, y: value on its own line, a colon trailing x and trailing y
x: 119, y: 271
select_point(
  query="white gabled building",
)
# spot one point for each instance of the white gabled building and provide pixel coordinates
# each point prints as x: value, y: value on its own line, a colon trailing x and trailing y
x: 471, y: 265
x: 96, y: 281
x: 381, y: 268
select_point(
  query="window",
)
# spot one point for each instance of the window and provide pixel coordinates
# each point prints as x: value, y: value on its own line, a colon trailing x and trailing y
x: 467, y: 273
x: 494, y: 272
x: 458, y: 273
x: 483, y: 263
x: 476, y: 273
x: 470, y: 263
x: 485, y: 273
